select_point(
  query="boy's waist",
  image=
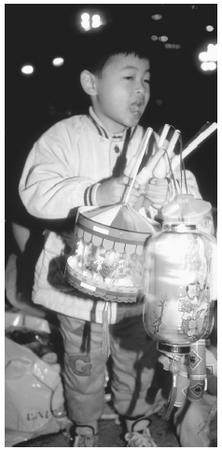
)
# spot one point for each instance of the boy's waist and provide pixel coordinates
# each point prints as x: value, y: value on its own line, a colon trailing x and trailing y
x: 52, y: 290
x: 87, y: 309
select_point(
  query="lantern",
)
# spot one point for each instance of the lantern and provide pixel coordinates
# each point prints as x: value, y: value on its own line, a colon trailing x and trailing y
x: 178, y: 280
x: 107, y: 252
x: 179, y: 286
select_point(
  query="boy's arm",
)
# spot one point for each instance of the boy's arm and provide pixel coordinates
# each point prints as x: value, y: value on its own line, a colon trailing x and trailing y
x: 48, y: 188
x: 50, y: 185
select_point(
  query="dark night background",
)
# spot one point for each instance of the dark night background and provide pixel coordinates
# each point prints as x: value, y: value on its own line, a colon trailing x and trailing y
x: 182, y: 95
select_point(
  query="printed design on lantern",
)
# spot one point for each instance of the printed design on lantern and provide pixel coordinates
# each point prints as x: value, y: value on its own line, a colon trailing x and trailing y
x: 156, y: 318
x: 106, y: 263
x: 198, y: 259
x: 185, y: 391
x: 194, y: 305
x: 194, y: 359
x: 196, y: 390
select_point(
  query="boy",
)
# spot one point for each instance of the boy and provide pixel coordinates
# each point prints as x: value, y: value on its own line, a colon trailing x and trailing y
x: 75, y: 163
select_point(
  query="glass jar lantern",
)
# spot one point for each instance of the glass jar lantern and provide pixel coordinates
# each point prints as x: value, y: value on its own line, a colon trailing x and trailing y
x: 179, y: 286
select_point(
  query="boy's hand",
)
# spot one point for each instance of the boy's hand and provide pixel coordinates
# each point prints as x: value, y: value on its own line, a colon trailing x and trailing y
x: 114, y: 190
x: 111, y: 190
x: 156, y: 192
x: 136, y: 197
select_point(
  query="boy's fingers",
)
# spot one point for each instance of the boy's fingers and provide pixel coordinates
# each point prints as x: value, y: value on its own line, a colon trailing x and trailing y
x: 147, y: 172
x: 123, y: 180
x: 161, y: 182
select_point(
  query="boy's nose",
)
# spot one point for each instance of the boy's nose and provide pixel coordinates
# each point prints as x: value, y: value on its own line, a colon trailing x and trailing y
x: 140, y: 89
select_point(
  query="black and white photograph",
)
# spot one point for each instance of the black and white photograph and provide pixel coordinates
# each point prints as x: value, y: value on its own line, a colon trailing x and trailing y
x: 111, y: 219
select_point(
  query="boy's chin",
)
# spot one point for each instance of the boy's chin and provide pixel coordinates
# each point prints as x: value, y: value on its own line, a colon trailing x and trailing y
x: 129, y: 122
x: 133, y: 122
x: 133, y: 119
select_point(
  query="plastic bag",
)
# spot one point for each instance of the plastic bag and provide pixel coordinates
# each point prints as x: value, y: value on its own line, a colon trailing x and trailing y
x: 17, y: 318
x: 34, y: 395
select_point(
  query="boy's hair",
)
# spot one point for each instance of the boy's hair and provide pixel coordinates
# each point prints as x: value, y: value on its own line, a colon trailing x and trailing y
x: 99, y: 47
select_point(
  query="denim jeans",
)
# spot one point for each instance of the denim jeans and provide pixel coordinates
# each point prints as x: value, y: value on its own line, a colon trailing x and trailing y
x: 136, y: 380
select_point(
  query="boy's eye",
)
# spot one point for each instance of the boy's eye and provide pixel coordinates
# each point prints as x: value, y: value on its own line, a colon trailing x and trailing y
x: 146, y: 81
x: 129, y: 77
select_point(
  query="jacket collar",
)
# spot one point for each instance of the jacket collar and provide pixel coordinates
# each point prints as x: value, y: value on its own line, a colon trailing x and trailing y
x: 103, y: 131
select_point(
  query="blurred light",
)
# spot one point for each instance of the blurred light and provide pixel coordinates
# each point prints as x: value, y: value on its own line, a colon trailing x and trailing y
x: 172, y: 46
x: 154, y: 37
x: 85, y: 21
x: 208, y: 66
x: 89, y: 21
x: 163, y: 38
x: 203, y: 56
x: 96, y: 21
x: 210, y: 54
x: 58, y: 61
x: 27, y: 69
x: 157, y: 16
x: 159, y: 102
x: 208, y: 58
x: 209, y: 28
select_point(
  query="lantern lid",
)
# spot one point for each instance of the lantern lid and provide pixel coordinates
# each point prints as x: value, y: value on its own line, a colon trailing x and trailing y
x: 120, y: 216
x: 185, y: 208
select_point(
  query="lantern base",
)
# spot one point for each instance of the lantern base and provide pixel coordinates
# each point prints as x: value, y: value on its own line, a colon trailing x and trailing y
x: 173, y: 348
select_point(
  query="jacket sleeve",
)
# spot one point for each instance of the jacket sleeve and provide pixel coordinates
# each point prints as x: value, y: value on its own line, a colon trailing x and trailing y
x: 49, y: 186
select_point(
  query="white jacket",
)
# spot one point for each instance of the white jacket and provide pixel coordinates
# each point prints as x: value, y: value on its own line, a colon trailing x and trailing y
x: 62, y: 166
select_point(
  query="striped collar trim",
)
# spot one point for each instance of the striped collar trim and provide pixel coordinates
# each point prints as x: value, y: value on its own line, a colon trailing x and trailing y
x: 102, y: 131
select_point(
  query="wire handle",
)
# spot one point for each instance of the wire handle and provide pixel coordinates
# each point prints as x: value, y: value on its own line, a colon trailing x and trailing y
x: 163, y: 135
x: 158, y: 172
x: 143, y: 148
x: 194, y: 144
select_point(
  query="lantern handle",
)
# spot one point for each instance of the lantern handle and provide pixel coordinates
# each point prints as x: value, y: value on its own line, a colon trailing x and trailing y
x: 202, y: 135
x: 143, y: 147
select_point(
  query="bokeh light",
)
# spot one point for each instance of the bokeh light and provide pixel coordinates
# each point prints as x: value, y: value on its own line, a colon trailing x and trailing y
x: 85, y: 21
x: 163, y: 38
x: 208, y: 66
x: 58, y: 61
x: 209, y: 28
x: 89, y: 21
x: 208, y: 58
x: 157, y: 17
x: 27, y: 69
x: 96, y: 21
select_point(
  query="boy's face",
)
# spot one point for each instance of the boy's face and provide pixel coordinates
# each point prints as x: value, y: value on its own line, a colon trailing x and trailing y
x: 123, y: 91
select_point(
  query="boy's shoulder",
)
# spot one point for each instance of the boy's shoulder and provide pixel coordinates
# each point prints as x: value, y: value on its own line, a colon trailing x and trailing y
x: 66, y: 128
x: 82, y: 122
x: 72, y: 121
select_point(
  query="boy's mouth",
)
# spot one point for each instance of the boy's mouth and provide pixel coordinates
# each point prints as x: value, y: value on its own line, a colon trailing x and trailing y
x: 136, y: 108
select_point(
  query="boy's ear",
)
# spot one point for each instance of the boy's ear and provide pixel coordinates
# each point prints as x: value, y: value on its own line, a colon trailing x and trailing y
x: 88, y: 82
